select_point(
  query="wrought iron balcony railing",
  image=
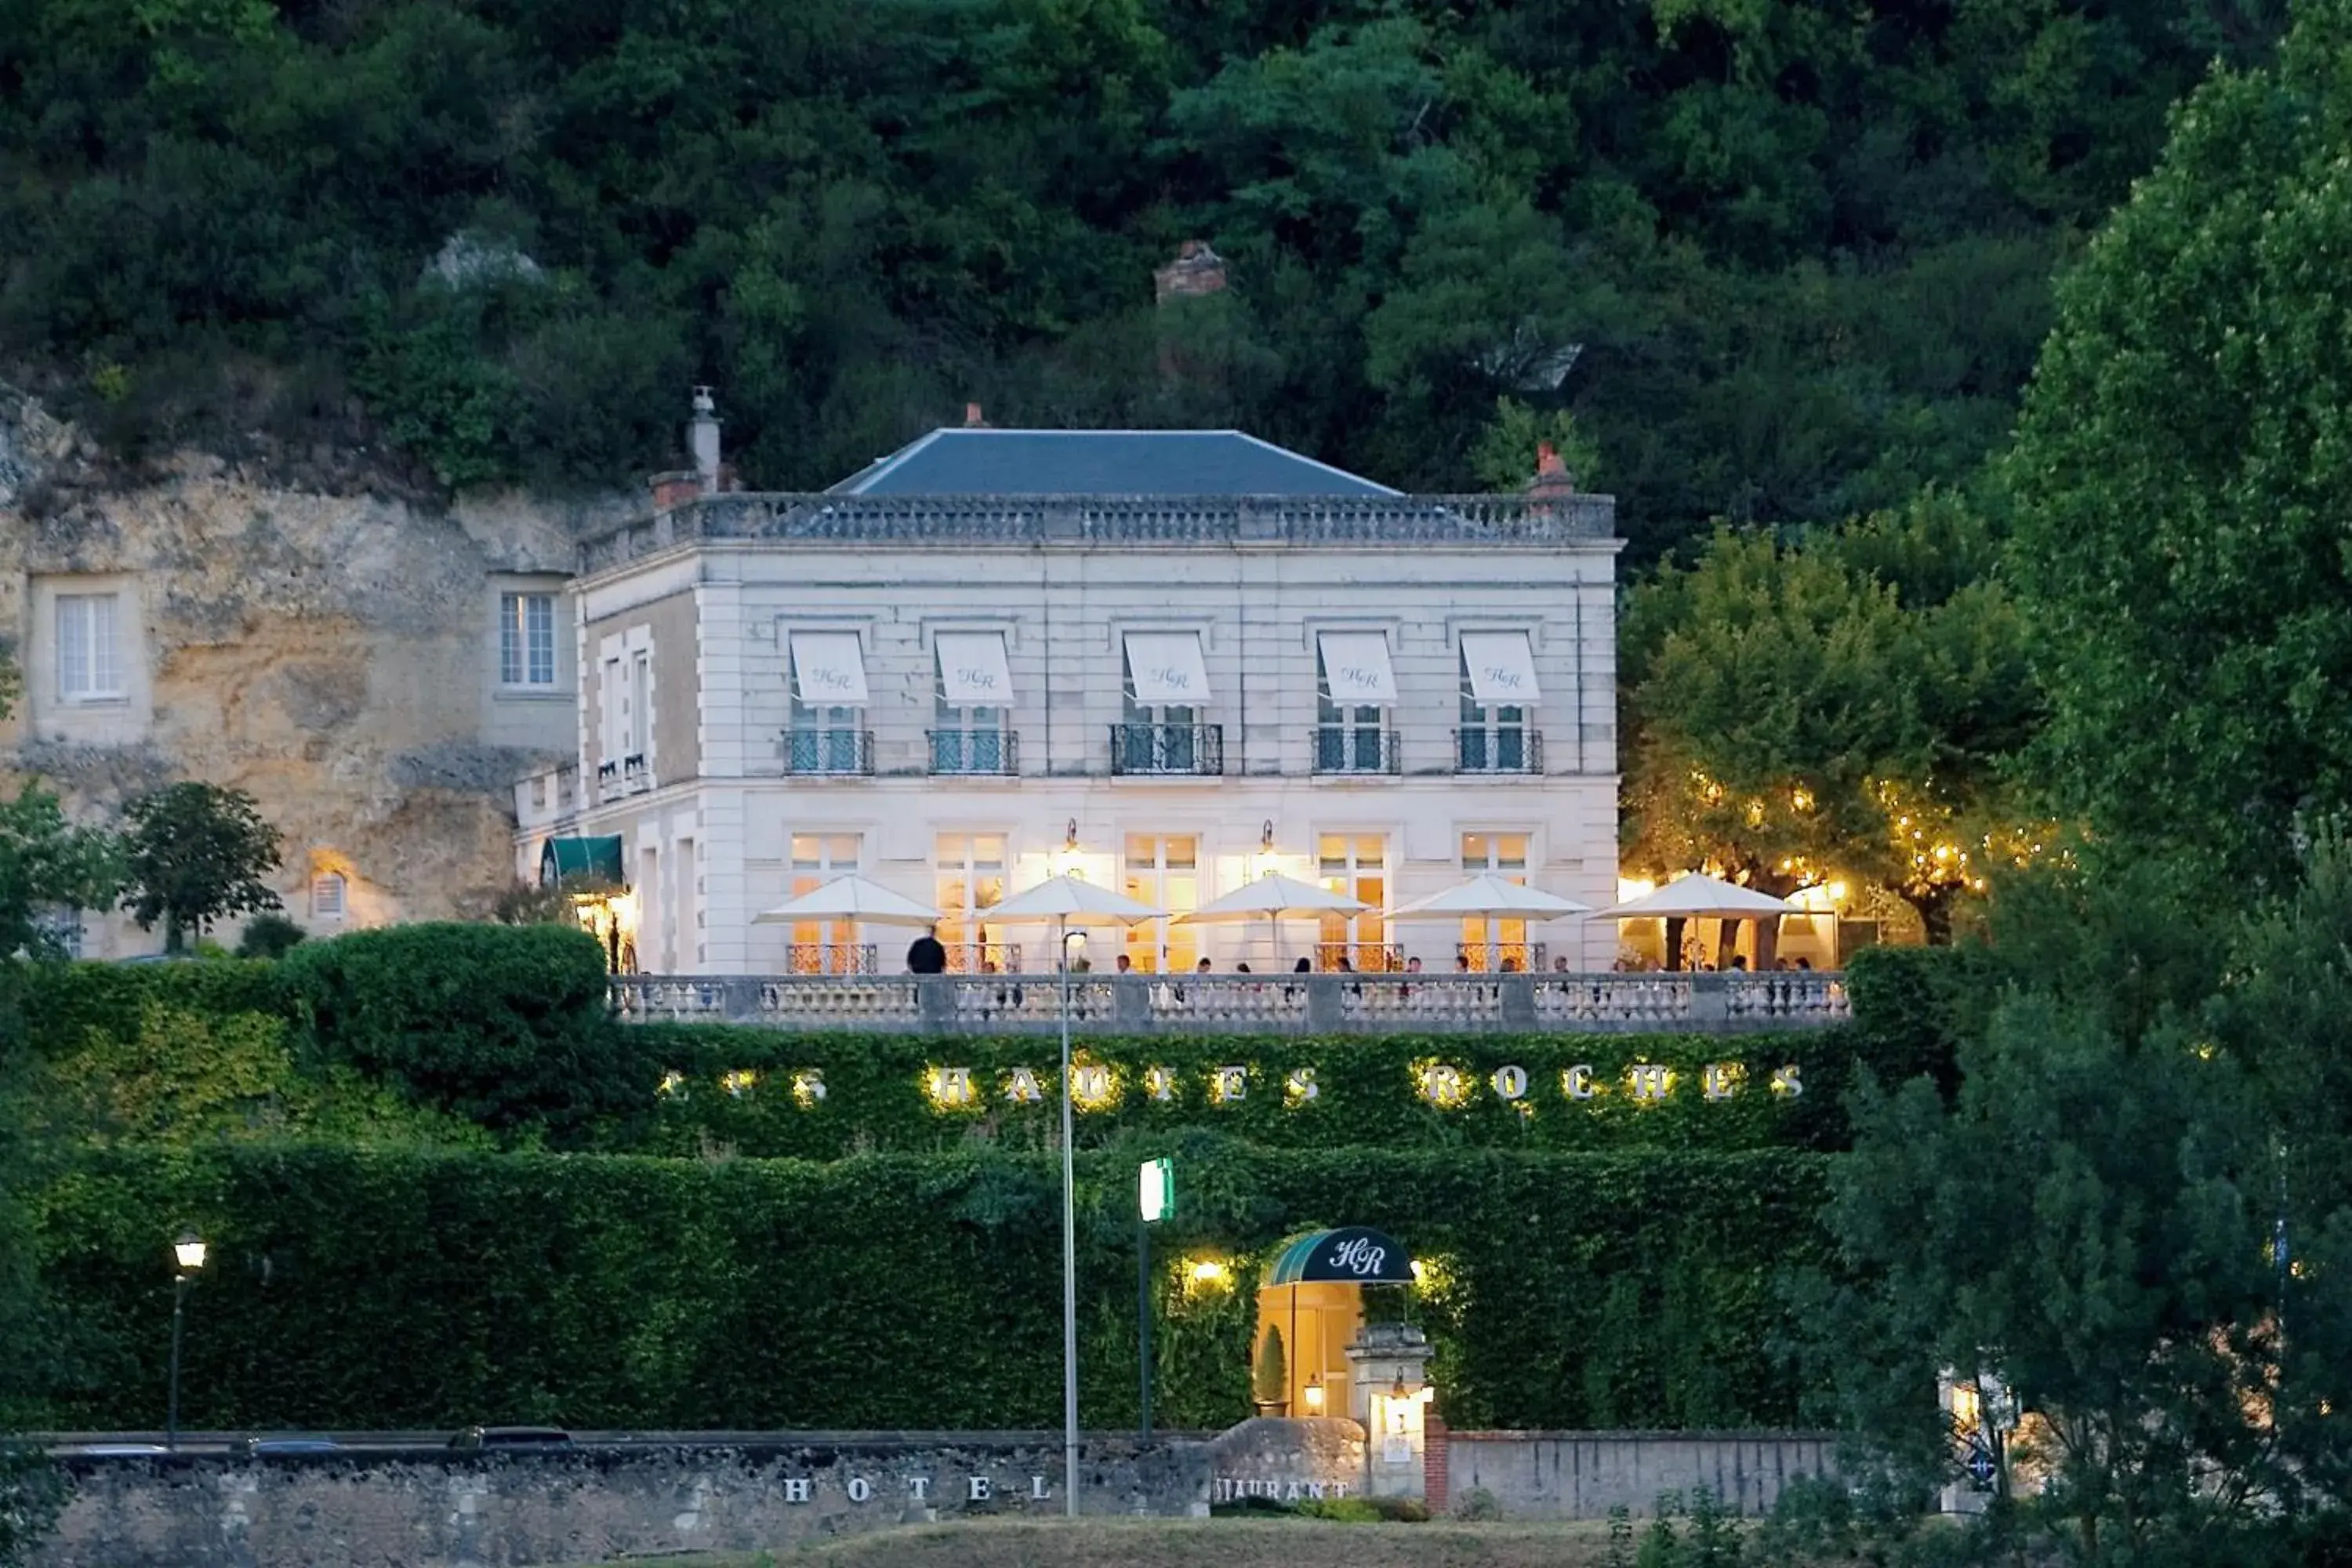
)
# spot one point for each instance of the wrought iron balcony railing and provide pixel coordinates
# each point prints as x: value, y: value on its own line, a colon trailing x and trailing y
x: 1197, y: 750
x: 1498, y: 749
x: 1355, y: 749
x: 975, y: 751
x: 828, y: 751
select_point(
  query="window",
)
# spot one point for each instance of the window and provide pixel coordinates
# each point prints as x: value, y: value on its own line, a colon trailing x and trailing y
x: 327, y: 890
x: 1497, y: 683
x: 969, y: 881
x: 88, y: 669
x: 974, y: 689
x: 1163, y: 870
x: 1352, y: 684
x: 825, y: 947
x: 1357, y: 865
x: 1166, y: 681
x: 527, y: 640
x: 1488, y: 942
x: 828, y: 691
x: 641, y: 705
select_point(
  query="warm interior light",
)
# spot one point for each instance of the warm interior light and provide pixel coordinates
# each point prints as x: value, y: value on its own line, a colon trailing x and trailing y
x: 1314, y: 1395
x: 189, y: 1251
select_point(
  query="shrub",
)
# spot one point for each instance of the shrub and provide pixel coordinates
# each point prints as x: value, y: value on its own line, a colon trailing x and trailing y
x: 506, y: 1026
x: 269, y: 936
x: 1478, y: 1506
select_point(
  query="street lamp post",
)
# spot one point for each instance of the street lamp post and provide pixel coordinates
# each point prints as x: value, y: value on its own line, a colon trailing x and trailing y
x: 188, y: 1256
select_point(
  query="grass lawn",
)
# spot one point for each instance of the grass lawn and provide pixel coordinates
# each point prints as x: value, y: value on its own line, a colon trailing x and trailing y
x: 1184, y: 1543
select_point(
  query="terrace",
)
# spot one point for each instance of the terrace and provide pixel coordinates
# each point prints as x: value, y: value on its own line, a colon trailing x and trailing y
x: 1325, y: 1004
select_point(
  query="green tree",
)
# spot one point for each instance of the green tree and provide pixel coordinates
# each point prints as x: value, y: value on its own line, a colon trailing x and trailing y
x: 1840, y: 705
x: 197, y: 852
x: 2180, y: 479
x: 2134, y: 1220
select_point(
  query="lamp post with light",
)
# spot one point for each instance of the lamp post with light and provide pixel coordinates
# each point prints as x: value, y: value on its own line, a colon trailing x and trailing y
x: 187, y: 1257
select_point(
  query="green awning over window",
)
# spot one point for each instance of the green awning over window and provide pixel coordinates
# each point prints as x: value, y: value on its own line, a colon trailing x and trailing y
x: 565, y: 861
x: 1357, y: 1254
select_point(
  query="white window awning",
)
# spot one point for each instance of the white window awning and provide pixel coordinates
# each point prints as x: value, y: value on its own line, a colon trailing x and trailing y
x: 1356, y: 667
x: 972, y: 670
x: 1502, y: 668
x: 1167, y: 667
x: 829, y: 670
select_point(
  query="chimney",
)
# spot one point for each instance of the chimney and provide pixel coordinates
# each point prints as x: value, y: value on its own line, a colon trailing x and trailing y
x: 972, y: 417
x: 1552, y: 477
x: 1196, y: 270
x: 702, y: 435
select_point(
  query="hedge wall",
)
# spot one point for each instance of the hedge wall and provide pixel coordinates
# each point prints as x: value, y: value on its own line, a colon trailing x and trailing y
x: 762, y: 1092
x: 409, y: 1290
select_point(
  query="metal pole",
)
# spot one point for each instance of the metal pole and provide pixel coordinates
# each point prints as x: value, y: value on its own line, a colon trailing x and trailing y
x: 1143, y: 1315
x: 1069, y: 1257
x: 171, y: 1408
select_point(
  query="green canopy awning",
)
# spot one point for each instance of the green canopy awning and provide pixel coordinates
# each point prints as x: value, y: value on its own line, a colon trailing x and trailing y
x: 1357, y: 1254
x: 566, y: 861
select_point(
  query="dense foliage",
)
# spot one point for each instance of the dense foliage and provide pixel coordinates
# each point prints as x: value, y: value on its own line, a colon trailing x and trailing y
x: 1834, y: 707
x: 1785, y: 262
x: 2182, y: 478
x: 193, y: 852
x: 501, y: 1025
x: 413, y: 1290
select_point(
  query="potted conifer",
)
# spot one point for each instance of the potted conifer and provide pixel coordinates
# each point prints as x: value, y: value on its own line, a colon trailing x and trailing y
x: 1270, y: 1382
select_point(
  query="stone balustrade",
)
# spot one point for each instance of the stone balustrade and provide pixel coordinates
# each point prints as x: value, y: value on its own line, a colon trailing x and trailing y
x: 1242, y: 1004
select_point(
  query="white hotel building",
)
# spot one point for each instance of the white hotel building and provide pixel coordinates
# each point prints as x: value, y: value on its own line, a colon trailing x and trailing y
x: 1167, y: 661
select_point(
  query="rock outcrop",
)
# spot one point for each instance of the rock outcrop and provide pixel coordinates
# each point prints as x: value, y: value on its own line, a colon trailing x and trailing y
x: 334, y: 654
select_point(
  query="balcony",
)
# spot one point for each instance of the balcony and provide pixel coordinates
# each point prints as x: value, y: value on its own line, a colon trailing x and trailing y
x: 1356, y: 749
x: 831, y: 958
x: 975, y: 753
x: 829, y: 753
x: 1146, y: 1005
x: 637, y: 775
x: 1196, y: 750
x: 1498, y: 749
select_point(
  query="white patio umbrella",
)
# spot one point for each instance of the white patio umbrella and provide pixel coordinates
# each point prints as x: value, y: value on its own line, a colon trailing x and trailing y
x: 1700, y: 897
x: 1066, y: 901
x: 1272, y: 896
x: 1490, y: 897
x: 1694, y: 896
x: 851, y: 898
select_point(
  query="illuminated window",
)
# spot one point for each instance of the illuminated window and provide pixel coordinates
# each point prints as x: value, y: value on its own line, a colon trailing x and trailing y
x: 1355, y: 864
x: 825, y: 947
x: 327, y: 902
x: 968, y: 871
x: 1487, y: 942
x: 1163, y: 870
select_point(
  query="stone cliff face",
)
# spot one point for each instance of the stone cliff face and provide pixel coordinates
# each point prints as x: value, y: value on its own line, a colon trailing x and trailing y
x: 334, y: 655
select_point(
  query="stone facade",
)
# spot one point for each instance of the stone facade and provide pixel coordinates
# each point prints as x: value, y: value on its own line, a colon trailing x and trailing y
x: 336, y: 656
x: 732, y: 793
x: 1583, y: 1475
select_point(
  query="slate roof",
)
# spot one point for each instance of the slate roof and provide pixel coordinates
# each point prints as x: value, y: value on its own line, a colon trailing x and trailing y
x: 982, y: 462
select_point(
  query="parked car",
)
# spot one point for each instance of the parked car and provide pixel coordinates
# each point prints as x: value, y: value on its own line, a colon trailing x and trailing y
x: 478, y: 1438
x: 263, y: 1447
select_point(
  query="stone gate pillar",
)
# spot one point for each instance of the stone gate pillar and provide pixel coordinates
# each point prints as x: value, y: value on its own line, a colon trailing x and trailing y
x: 1390, y: 1393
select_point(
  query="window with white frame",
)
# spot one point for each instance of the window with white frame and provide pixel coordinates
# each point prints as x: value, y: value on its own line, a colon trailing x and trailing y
x: 1163, y: 870
x: 1488, y: 942
x: 1353, y: 688
x: 1355, y: 864
x: 969, y: 734
x: 1499, y: 683
x: 825, y: 947
x: 90, y: 668
x: 327, y: 898
x: 968, y: 881
x: 527, y: 641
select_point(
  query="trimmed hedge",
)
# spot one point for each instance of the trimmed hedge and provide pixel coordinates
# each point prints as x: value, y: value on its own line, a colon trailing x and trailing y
x: 755, y: 1092
x: 1913, y: 1006
x: 62, y: 1003
x: 350, y: 1291
x: 506, y: 1026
